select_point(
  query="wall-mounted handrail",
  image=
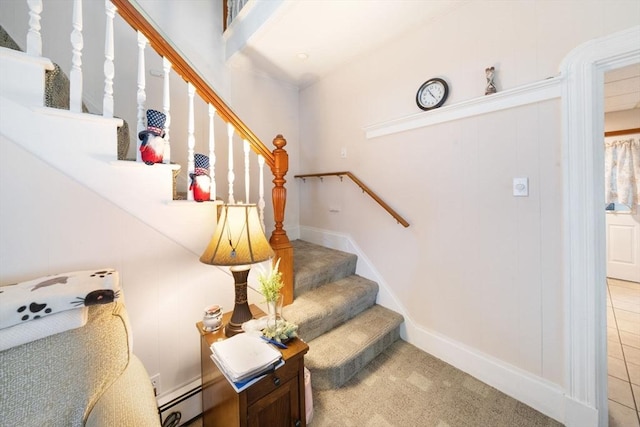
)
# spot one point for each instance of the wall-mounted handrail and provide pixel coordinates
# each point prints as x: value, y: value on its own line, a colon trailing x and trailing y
x: 138, y: 21
x: 363, y: 187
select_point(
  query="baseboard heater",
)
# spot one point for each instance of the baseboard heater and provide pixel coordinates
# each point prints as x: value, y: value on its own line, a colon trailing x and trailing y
x: 171, y: 412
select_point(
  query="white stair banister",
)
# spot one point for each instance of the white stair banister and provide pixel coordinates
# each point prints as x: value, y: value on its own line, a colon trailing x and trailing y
x: 77, y: 43
x: 261, y: 202
x: 191, y: 139
x: 247, y: 178
x: 231, y: 177
x: 141, y: 94
x: 212, y: 154
x: 34, y: 38
x: 109, y: 70
x: 166, y: 107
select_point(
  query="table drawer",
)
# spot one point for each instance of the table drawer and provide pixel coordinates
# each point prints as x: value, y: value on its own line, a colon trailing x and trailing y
x: 273, y: 380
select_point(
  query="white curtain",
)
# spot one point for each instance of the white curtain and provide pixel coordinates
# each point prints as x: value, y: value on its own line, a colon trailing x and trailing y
x: 233, y: 8
x: 622, y: 171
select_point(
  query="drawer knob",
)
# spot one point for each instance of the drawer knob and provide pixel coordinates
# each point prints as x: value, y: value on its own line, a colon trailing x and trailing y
x: 298, y: 423
x: 276, y: 380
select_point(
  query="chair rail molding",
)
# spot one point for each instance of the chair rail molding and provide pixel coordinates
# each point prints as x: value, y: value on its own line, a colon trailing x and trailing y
x: 510, y: 98
x: 583, y: 221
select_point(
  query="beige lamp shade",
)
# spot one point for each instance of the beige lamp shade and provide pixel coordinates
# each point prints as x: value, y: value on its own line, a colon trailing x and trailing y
x: 238, y: 239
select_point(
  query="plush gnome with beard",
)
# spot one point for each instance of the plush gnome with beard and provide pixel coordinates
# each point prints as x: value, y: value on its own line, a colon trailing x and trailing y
x: 200, y: 179
x: 152, y: 146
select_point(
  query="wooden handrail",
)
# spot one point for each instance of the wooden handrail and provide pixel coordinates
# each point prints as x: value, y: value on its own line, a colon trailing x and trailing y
x: 139, y: 22
x: 364, y: 189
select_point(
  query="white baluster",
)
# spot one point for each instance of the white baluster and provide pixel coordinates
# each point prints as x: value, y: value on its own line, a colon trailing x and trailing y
x: 230, y: 176
x: 109, y: 70
x: 212, y: 154
x: 34, y: 38
x: 75, y: 76
x: 261, y: 190
x: 247, y: 178
x: 166, y: 107
x: 141, y: 94
x: 191, y: 139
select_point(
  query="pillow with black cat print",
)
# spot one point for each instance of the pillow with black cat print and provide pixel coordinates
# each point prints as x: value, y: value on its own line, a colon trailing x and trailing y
x: 43, y: 296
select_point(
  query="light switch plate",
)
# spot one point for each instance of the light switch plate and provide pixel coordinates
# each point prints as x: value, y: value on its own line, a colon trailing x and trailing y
x: 521, y: 187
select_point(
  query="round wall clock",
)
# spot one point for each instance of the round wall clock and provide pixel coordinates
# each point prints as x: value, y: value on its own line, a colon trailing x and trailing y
x: 432, y: 94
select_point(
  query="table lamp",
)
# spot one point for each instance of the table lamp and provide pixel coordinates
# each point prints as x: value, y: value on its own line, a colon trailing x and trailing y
x: 238, y: 242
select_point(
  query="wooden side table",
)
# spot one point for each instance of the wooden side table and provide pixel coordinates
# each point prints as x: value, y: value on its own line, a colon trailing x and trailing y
x: 277, y: 400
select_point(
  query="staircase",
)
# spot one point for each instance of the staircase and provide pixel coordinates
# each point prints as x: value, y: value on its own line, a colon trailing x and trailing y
x: 337, y: 315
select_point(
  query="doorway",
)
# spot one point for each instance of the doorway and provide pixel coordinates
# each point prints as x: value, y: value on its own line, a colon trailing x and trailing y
x: 622, y: 225
x: 583, y: 223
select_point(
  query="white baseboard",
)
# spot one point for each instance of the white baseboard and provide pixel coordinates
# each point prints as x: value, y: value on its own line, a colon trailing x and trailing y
x: 544, y: 396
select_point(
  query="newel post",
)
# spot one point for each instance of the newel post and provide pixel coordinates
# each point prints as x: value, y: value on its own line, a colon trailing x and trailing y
x: 279, y: 239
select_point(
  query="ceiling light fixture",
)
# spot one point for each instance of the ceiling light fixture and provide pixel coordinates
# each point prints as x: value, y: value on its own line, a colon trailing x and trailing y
x: 302, y: 56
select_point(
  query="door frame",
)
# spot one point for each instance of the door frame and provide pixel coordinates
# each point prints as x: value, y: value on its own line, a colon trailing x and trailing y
x: 583, y: 221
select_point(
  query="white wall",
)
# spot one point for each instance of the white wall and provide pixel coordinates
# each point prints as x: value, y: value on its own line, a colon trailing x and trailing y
x: 477, y: 265
x: 622, y: 120
x: 51, y: 224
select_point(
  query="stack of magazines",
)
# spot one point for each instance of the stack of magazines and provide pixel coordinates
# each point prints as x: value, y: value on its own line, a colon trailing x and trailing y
x: 244, y: 358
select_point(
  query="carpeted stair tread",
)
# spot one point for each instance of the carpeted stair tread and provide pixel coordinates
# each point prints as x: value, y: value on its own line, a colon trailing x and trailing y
x: 315, y: 265
x: 324, y: 308
x: 338, y: 355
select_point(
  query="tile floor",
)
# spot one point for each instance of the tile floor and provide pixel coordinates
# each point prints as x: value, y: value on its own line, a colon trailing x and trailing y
x: 623, y: 336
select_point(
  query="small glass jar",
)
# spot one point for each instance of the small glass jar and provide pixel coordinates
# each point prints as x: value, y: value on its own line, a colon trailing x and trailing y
x: 212, y: 319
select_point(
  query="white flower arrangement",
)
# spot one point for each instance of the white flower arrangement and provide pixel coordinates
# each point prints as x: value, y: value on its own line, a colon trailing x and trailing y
x: 271, y: 283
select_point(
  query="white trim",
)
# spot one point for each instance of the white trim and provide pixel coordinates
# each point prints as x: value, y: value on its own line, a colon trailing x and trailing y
x: 540, y: 394
x: 59, y: 112
x: 252, y: 17
x: 17, y: 55
x: 511, y: 98
x: 584, y: 217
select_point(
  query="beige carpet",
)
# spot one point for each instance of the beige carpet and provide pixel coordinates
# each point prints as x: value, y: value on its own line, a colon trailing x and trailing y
x: 406, y: 387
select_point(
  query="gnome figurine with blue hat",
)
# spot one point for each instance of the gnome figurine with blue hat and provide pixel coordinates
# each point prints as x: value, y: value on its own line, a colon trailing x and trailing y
x: 200, y: 179
x: 152, y: 146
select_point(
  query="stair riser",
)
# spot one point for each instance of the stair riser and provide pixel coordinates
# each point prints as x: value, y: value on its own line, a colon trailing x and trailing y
x: 29, y: 71
x: 336, y: 376
x: 329, y: 306
x: 332, y: 273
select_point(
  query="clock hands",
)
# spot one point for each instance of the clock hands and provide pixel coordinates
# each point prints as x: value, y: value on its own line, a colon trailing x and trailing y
x: 431, y: 93
x: 427, y: 91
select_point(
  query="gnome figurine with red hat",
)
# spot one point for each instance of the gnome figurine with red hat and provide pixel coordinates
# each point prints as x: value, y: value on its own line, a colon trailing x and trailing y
x: 200, y: 179
x: 152, y: 146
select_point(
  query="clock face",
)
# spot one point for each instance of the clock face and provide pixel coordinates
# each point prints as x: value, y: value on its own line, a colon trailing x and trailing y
x: 432, y: 94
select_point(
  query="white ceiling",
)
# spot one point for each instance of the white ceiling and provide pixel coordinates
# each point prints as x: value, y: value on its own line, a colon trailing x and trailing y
x: 332, y: 33
x: 622, y: 89
x: 355, y: 28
